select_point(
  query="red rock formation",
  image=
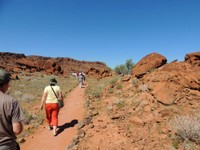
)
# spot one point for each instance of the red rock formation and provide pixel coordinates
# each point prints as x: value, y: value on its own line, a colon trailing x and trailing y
x: 148, y: 63
x: 175, y: 81
x: 47, y: 65
x: 193, y: 58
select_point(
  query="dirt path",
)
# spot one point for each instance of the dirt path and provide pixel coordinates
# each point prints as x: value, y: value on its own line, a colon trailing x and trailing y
x: 69, y: 117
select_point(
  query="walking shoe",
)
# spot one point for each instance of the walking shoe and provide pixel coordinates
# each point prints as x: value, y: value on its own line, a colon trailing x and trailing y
x: 54, y: 133
x: 50, y: 128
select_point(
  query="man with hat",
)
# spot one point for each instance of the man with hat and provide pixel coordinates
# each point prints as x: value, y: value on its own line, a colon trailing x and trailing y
x: 11, y: 115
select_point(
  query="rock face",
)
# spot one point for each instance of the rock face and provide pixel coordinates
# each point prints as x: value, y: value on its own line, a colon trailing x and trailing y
x: 193, y: 58
x: 148, y: 63
x: 172, y: 82
x: 47, y: 65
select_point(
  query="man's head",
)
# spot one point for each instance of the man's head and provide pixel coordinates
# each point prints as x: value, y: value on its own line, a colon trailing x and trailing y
x: 5, y: 77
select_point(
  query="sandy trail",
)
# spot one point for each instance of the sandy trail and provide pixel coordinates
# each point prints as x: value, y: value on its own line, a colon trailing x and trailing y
x: 69, y: 116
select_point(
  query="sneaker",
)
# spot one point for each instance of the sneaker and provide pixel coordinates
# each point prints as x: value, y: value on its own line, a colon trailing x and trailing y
x: 54, y: 133
x: 50, y: 128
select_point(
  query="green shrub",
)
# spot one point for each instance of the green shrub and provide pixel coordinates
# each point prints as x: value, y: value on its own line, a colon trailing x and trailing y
x: 113, y: 82
x: 119, y: 103
x: 125, y: 68
x: 96, y: 94
x: 119, y: 86
x: 110, y: 90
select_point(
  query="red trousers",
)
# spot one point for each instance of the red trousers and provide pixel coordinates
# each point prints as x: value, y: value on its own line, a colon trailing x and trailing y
x: 52, y: 110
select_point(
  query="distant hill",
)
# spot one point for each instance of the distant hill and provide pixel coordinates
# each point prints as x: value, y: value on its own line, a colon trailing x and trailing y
x: 17, y: 63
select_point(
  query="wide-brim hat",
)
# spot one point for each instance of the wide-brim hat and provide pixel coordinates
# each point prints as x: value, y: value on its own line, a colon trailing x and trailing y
x: 5, y: 77
x: 53, y: 80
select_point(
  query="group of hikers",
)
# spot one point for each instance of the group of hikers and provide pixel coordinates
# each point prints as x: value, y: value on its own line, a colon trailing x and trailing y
x: 11, y: 114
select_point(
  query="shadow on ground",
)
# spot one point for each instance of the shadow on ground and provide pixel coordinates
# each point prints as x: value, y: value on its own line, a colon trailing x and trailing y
x: 61, y: 128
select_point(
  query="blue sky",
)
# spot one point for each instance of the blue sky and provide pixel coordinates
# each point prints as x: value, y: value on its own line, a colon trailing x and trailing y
x: 109, y: 31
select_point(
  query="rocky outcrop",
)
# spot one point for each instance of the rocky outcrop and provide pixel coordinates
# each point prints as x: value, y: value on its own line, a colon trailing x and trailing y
x: 148, y: 63
x: 175, y: 81
x: 193, y: 58
x: 18, y: 63
x: 172, y: 82
x: 100, y: 73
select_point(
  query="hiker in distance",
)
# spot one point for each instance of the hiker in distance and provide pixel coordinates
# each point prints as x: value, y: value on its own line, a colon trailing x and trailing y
x: 11, y: 115
x: 81, y: 79
x: 51, y: 96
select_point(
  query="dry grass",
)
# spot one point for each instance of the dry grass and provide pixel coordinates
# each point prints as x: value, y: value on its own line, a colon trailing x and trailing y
x: 94, y: 91
x: 186, y: 131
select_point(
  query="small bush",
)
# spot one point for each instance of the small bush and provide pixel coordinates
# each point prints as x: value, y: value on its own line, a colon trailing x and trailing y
x: 135, y: 82
x: 113, y: 82
x: 125, y: 68
x: 187, y: 128
x: 96, y: 94
x: 110, y: 90
x: 119, y: 103
x: 119, y: 86
x: 119, y: 93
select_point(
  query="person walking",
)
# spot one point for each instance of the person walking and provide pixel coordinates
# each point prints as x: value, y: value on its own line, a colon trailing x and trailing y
x: 11, y: 115
x: 51, y: 95
x: 80, y: 79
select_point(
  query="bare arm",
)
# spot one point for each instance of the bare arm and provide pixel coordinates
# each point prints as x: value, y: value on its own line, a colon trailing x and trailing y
x: 61, y: 96
x: 17, y: 127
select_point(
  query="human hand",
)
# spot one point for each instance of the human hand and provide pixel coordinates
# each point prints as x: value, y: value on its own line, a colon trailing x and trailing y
x: 41, y: 107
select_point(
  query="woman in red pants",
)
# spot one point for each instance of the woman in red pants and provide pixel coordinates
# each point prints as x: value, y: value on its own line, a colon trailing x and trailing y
x: 52, y: 93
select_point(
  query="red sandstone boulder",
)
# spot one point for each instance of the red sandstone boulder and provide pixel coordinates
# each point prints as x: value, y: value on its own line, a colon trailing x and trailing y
x: 148, y: 63
x: 193, y: 58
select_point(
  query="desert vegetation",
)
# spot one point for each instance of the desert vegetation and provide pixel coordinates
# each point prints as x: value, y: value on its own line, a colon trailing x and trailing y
x: 125, y: 68
x: 186, y: 131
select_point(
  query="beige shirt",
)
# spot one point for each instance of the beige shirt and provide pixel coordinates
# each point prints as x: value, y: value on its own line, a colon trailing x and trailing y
x: 51, y: 98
